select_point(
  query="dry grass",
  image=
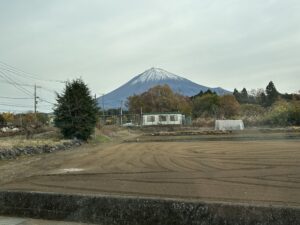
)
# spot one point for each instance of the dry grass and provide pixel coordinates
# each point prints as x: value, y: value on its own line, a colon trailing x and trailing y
x: 112, y: 134
x: 53, y: 137
x: 47, y: 138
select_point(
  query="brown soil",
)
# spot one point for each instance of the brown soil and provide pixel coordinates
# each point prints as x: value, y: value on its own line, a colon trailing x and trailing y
x: 260, y: 172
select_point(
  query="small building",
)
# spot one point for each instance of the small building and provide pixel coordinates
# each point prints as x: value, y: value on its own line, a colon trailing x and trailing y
x: 162, y: 119
x: 229, y: 125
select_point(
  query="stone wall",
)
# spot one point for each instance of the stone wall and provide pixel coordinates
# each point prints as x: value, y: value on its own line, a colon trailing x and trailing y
x: 114, y: 210
x: 14, y: 152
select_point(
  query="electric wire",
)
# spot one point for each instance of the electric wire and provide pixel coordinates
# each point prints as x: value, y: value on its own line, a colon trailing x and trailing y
x: 13, y: 105
x: 22, y: 89
x: 15, y: 84
x: 22, y: 73
x: 44, y: 100
x: 5, y: 97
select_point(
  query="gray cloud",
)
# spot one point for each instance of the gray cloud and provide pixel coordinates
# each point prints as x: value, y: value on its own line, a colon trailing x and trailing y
x: 215, y: 43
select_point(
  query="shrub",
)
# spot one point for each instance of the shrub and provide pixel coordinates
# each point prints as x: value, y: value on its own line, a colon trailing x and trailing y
x: 283, y: 113
x: 2, y: 121
x: 229, y: 106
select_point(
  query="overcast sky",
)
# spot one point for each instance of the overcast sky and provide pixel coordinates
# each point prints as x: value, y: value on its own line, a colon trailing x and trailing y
x: 226, y: 43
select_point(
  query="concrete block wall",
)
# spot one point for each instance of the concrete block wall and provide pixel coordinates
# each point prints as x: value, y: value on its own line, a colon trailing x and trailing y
x: 117, y: 210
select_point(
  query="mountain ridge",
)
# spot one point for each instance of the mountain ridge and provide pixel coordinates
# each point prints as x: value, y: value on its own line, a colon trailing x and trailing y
x: 150, y: 78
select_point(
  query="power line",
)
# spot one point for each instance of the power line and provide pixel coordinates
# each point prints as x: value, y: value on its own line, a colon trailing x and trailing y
x: 7, y: 78
x: 11, y: 81
x: 52, y: 91
x: 44, y: 100
x: 5, y: 97
x: 23, y: 74
x: 15, y: 110
x: 7, y: 82
x: 48, y: 89
x: 21, y: 106
x: 7, y: 70
x: 21, y: 84
x: 47, y: 103
x: 19, y: 87
x: 46, y: 106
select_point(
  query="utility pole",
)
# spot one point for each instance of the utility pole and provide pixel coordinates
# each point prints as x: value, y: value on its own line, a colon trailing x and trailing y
x: 97, y: 120
x: 103, y: 110
x: 121, y: 113
x: 21, y: 121
x: 103, y: 105
x: 141, y: 116
x: 35, y: 97
x: 35, y: 100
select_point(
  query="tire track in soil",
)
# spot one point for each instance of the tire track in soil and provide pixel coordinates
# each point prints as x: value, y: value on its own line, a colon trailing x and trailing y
x: 269, y: 172
x: 134, y: 193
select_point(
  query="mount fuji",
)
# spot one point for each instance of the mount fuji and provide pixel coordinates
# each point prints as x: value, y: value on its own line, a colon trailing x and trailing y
x: 150, y: 78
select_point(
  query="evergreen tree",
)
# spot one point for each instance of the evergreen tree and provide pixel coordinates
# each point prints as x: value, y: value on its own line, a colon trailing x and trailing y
x: 76, y: 111
x: 208, y: 92
x: 237, y: 95
x: 197, y: 95
x: 201, y: 93
x: 262, y: 99
x: 2, y: 121
x: 244, y: 96
x: 272, y: 93
x: 206, y: 105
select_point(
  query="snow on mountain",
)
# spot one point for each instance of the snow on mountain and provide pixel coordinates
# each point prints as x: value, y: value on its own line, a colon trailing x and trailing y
x: 155, y: 74
x: 151, y: 78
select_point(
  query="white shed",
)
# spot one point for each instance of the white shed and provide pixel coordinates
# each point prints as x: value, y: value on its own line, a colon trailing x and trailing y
x: 229, y: 125
x: 162, y: 119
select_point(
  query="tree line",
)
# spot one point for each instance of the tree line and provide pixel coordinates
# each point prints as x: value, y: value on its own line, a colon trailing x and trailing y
x: 161, y: 98
x: 259, y: 107
x: 23, y: 120
x: 76, y: 111
x: 262, y: 97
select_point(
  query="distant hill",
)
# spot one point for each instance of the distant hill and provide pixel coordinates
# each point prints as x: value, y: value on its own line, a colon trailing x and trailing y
x: 150, y: 78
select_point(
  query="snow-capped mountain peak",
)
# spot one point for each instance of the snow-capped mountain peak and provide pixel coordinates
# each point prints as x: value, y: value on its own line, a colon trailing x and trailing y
x: 148, y: 79
x: 155, y: 74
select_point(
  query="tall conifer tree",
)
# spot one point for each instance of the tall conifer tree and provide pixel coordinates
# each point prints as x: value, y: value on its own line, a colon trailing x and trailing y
x: 76, y: 111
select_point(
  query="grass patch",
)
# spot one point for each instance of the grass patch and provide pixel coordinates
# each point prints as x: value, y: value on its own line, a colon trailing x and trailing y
x: 101, y: 139
x: 50, y: 138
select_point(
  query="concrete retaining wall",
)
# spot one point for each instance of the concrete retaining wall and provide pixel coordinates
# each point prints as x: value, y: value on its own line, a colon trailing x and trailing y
x: 113, y: 210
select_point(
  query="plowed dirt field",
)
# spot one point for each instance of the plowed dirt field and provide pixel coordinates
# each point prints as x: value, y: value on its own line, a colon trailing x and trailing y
x: 260, y: 172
